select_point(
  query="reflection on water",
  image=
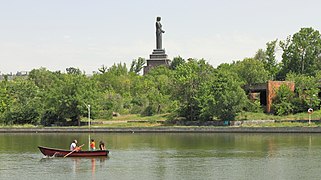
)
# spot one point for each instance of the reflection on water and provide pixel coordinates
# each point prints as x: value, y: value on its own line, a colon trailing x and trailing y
x: 76, y: 165
x: 166, y: 156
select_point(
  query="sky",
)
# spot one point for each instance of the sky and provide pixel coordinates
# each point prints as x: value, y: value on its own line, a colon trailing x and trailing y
x: 86, y: 34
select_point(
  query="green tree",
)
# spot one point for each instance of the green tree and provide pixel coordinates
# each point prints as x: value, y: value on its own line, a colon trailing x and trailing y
x: 118, y: 69
x: 5, y: 99
x: 137, y: 65
x: 67, y: 97
x: 47, y: 81
x: 270, y: 63
x: 158, y: 88
x: 110, y: 102
x: 251, y: 71
x: 306, y: 89
x: 177, y: 61
x: 229, y: 97
x: 260, y: 55
x: 301, y: 52
x: 115, y: 83
x: 102, y: 69
x: 73, y: 70
x: 251, y: 106
x: 77, y: 91
x: 205, y: 93
x: 43, y: 78
x: 22, y: 104
x: 282, y: 103
x: 189, y: 78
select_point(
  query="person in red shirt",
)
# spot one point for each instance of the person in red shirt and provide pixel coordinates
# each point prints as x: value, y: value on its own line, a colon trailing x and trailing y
x: 92, y: 145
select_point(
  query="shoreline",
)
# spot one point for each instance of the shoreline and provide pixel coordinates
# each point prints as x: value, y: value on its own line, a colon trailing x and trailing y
x: 167, y: 130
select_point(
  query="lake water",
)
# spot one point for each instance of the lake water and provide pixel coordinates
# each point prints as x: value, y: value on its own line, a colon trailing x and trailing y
x: 166, y: 156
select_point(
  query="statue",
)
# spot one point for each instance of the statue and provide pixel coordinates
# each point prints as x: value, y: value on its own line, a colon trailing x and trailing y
x: 158, y: 56
x: 159, y: 32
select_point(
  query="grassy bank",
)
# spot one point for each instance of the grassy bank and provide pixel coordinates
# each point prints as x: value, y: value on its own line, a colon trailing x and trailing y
x: 135, y: 120
x: 316, y: 115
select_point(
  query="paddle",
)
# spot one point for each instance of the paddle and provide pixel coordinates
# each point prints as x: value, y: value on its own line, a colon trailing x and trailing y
x: 77, y: 148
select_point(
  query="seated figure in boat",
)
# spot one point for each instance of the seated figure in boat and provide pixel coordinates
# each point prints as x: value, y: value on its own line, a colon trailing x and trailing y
x: 92, y: 145
x: 73, y: 146
x: 102, y: 145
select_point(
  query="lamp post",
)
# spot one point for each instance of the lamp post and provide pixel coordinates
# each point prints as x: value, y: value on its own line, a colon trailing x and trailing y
x: 88, y: 108
x: 88, y: 115
x: 310, y: 110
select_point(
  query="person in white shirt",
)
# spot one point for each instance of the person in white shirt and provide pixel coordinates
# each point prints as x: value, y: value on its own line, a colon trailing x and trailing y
x: 73, y: 145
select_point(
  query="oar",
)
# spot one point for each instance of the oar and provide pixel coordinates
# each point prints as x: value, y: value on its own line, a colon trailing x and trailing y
x: 74, y: 150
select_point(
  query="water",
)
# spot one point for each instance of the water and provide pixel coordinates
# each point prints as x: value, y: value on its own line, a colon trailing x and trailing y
x: 166, y: 156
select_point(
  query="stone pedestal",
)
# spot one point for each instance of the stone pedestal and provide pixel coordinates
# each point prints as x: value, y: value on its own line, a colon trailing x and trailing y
x: 157, y: 58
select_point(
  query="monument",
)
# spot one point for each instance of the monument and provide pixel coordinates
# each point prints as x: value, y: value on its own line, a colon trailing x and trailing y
x: 158, y: 56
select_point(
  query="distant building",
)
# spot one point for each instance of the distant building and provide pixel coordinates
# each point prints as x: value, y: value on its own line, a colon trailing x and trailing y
x: 22, y: 73
x: 267, y: 91
x: 11, y: 76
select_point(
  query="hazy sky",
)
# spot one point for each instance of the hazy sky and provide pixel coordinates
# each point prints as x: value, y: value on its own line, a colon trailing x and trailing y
x: 87, y: 34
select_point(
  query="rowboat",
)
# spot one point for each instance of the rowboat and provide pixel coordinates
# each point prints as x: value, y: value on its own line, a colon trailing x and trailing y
x: 62, y: 153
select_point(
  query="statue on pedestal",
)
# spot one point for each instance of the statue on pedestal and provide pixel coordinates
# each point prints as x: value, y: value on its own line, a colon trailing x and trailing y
x: 159, y: 32
x: 158, y: 56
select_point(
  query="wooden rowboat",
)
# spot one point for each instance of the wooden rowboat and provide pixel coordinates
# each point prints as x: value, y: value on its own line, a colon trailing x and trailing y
x: 61, y: 152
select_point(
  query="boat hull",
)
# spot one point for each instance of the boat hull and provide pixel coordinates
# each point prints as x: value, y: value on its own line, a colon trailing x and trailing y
x: 61, y: 152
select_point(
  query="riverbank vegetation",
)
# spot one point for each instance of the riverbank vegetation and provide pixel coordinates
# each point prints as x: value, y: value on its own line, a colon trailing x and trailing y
x: 160, y: 120
x: 189, y: 89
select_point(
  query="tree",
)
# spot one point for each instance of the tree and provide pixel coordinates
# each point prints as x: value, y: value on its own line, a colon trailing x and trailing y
x: 102, y: 69
x: 306, y: 89
x: 229, y: 97
x: 72, y: 70
x: 158, y: 88
x: 251, y: 71
x: 270, y: 63
x: 137, y: 65
x: 78, y: 90
x: 5, y: 99
x: 43, y: 78
x: 22, y: 104
x: 177, y: 61
x: 189, y: 77
x: 205, y: 93
x: 301, y: 52
x: 118, y: 69
x: 115, y: 86
x: 268, y: 59
x: 260, y: 55
x: 282, y: 103
x: 109, y: 102
x: 67, y: 98
x: 48, y: 82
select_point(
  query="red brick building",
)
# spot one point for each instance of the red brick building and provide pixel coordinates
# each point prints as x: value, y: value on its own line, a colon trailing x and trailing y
x: 267, y: 91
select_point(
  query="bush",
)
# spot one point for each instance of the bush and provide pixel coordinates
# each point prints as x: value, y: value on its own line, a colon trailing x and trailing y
x: 283, y: 108
x: 253, y: 106
x: 22, y: 116
x: 149, y: 111
x: 282, y: 103
x: 105, y: 114
x: 299, y: 105
x: 1, y: 118
x: 49, y: 118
